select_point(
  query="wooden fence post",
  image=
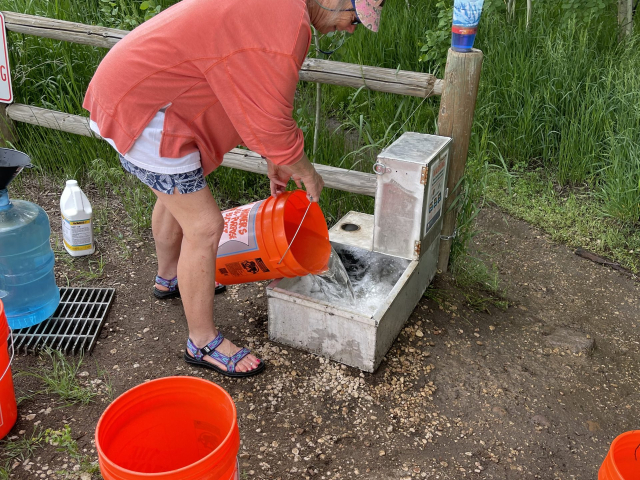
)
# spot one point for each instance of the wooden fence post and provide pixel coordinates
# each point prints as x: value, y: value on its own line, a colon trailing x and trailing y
x: 458, y: 103
x: 625, y: 19
x: 7, y: 129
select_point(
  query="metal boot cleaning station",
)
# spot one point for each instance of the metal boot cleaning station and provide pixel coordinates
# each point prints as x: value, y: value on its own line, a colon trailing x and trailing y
x: 405, y: 228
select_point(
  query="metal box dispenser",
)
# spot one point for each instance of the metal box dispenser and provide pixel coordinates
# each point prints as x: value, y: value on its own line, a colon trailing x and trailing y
x: 396, y: 250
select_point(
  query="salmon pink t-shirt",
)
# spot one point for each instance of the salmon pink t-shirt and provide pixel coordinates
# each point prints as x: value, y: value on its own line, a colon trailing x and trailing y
x: 228, y: 70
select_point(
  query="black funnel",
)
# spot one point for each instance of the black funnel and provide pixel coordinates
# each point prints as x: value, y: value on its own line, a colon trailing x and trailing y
x: 11, y: 164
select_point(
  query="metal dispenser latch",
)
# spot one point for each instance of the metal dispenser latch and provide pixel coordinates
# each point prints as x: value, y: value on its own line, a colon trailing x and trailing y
x: 424, y: 175
x: 380, y: 168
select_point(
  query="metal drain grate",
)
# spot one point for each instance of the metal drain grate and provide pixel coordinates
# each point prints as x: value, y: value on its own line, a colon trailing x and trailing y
x: 74, y: 326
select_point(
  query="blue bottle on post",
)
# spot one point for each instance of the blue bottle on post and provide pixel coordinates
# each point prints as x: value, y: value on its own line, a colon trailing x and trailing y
x: 466, y: 16
x: 27, y: 282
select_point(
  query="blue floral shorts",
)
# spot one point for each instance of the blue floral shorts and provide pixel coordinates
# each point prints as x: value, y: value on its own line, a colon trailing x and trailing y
x: 187, y: 182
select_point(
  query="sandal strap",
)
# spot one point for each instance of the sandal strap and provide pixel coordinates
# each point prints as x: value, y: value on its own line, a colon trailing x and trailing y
x: 170, y: 284
x: 230, y: 362
x: 239, y: 355
x: 210, y: 347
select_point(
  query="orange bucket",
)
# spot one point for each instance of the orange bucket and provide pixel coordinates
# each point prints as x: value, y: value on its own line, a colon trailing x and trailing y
x: 623, y: 460
x: 8, y: 406
x: 257, y: 236
x: 174, y: 428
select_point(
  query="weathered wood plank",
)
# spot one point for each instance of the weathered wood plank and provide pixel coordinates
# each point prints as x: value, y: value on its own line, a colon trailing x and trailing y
x: 50, y: 119
x: 374, y: 78
x: 458, y: 103
x: 313, y: 70
x: 63, y: 30
x: 338, y: 178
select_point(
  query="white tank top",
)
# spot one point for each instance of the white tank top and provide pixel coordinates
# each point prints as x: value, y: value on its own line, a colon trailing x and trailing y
x: 145, y: 152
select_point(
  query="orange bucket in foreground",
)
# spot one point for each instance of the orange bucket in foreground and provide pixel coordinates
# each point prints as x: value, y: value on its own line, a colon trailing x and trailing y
x: 256, y: 237
x: 623, y: 460
x: 8, y: 406
x: 174, y: 428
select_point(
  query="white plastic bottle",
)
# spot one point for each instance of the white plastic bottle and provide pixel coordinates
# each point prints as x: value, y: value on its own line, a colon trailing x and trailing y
x: 77, y: 227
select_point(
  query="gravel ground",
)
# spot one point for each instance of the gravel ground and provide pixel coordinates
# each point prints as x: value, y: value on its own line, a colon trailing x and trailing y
x: 538, y: 390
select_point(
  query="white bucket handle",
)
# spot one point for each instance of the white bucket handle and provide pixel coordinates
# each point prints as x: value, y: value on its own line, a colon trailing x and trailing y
x: 299, y: 227
x: 13, y: 351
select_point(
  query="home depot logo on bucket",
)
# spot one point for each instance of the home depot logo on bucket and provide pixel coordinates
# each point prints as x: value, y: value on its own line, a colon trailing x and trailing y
x: 239, y: 237
x: 256, y: 243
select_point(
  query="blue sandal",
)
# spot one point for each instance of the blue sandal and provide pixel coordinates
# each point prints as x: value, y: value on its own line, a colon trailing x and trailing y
x: 173, y: 290
x: 231, y: 362
x: 172, y: 285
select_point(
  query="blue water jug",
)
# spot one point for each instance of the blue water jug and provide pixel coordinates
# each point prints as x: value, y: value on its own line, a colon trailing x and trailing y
x: 27, y: 282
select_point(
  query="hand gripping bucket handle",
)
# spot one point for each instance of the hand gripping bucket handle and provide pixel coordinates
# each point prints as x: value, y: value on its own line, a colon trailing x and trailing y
x: 13, y: 351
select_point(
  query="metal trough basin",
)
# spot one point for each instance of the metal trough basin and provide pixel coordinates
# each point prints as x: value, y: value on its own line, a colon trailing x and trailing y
x: 350, y: 334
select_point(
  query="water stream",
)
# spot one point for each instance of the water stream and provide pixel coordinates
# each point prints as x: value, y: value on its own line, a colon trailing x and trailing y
x: 357, y: 279
x: 334, y: 284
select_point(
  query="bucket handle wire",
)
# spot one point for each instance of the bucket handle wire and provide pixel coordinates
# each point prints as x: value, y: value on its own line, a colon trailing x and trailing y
x: 299, y: 227
x: 13, y: 352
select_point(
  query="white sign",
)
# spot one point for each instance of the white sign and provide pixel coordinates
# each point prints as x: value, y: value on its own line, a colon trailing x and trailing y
x: 435, y: 197
x: 6, y: 94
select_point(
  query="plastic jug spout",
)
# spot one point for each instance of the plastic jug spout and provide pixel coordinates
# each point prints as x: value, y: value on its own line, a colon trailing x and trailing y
x: 12, y: 162
x: 7, y: 174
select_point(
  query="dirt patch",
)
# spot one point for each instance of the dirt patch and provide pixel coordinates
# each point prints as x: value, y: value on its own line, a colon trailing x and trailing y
x: 535, y: 391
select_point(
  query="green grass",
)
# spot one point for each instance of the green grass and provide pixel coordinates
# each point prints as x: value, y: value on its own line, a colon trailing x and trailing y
x: 27, y: 446
x: 560, y: 98
x: 67, y: 445
x: 19, y: 450
x: 564, y: 97
x: 60, y: 377
x: 569, y: 215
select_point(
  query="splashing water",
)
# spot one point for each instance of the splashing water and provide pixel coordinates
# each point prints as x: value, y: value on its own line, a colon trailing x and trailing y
x: 334, y: 284
x: 356, y: 279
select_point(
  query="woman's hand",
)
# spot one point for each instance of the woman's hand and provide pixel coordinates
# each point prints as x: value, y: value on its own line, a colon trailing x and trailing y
x: 278, y: 176
x: 313, y: 183
x: 301, y: 172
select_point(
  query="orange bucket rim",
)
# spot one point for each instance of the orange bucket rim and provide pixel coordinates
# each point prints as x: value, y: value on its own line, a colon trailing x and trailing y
x: 234, y: 425
x: 611, y: 454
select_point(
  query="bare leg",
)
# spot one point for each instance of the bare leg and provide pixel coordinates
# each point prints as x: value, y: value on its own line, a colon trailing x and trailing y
x: 168, y: 238
x: 201, y: 221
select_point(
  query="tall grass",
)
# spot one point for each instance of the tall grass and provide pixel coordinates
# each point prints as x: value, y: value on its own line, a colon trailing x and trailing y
x: 560, y: 98
x: 564, y: 96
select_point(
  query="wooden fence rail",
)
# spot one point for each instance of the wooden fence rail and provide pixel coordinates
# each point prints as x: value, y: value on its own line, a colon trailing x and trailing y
x: 313, y: 70
x: 338, y: 178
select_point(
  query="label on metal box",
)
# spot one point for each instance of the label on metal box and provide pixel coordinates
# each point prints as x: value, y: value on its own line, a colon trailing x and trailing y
x: 435, y: 192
